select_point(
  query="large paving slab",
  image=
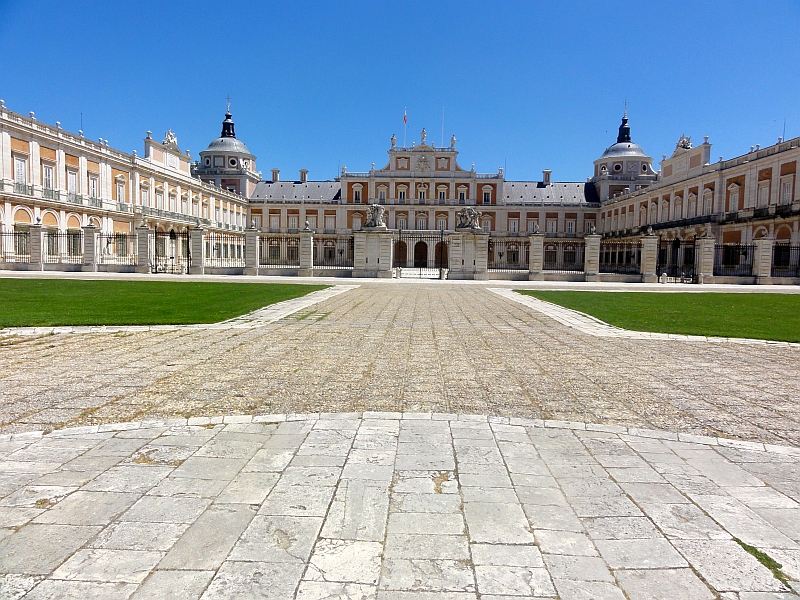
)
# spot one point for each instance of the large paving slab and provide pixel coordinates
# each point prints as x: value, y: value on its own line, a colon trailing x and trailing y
x: 432, y: 347
x: 393, y: 505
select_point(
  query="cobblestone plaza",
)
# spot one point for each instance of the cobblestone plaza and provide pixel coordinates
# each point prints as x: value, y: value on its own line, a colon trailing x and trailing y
x: 409, y: 440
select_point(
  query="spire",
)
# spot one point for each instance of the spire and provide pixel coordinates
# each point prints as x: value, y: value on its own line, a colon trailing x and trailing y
x: 227, y: 124
x: 624, y: 130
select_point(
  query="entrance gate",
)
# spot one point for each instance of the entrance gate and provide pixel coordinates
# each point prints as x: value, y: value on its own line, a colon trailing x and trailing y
x: 676, y: 259
x: 169, y: 252
x: 422, y: 254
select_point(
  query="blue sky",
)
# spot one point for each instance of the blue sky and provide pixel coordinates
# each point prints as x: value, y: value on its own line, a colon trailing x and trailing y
x: 529, y: 85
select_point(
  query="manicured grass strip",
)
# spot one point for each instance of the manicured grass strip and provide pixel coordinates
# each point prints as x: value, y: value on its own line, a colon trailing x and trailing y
x: 750, y: 315
x: 52, y: 302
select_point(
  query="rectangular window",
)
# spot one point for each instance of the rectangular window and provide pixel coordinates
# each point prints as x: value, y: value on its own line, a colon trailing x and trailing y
x: 330, y: 222
x: 401, y: 223
x: 531, y: 225
x: 551, y: 225
x: 422, y: 224
x: 274, y: 222
x: 487, y: 226
x: 47, y: 177
x: 93, y: 187
x: 763, y: 196
x: 356, y: 195
x: 293, y: 221
x: 734, y: 202
x: 401, y: 195
x: 786, y: 192
x: 441, y: 224
x: 185, y: 206
x: 587, y: 226
x: 382, y: 195
x: 421, y: 196
x: 195, y: 211
x: 20, y: 170
x: 72, y: 182
x: 462, y: 197
x: 121, y: 192
x: 356, y: 222
x: 312, y: 222
x: 442, y: 196
x: 487, y: 197
x: 570, y: 226
x: 513, y: 225
x: 145, y: 197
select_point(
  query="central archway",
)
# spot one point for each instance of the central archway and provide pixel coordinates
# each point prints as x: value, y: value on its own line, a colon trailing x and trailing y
x: 421, y: 255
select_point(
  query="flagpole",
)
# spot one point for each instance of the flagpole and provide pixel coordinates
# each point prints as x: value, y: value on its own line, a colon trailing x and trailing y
x: 405, y: 126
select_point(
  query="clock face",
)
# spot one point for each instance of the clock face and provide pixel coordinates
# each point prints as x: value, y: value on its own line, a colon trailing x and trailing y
x: 633, y: 167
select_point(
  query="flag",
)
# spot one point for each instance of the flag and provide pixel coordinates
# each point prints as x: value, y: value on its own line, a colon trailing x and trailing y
x: 405, y: 118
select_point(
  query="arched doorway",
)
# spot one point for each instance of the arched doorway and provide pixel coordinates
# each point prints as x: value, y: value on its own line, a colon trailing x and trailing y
x: 421, y: 255
x: 440, y: 255
x: 400, y: 254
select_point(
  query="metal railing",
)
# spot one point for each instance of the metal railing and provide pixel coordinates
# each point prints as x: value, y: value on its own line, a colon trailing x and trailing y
x: 74, y: 198
x: 622, y: 258
x: 279, y: 250
x: 117, y: 249
x: 64, y: 247
x: 785, y: 260
x: 509, y: 255
x: 334, y: 252
x: 733, y: 260
x: 23, y: 188
x: 224, y: 250
x: 15, y: 246
x: 95, y: 202
x: 676, y: 259
x: 564, y: 256
x: 51, y: 194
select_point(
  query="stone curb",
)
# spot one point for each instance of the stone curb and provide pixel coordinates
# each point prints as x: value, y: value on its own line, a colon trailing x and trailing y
x: 595, y: 327
x: 370, y: 415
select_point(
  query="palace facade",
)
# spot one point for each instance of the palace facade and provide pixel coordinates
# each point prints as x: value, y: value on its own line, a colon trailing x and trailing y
x: 65, y: 183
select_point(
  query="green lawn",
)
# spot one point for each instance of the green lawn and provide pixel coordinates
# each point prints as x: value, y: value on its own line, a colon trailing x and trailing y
x: 49, y: 302
x: 761, y: 316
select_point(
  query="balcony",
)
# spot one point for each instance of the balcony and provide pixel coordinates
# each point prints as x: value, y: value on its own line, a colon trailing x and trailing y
x: 23, y: 188
x: 74, y: 198
x: 95, y: 202
x: 50, y: 194
x: 123, y: 207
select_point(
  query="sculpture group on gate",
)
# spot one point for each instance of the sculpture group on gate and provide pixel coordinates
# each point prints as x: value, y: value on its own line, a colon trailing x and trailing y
x: 469, y: 218
x: 375, y: 216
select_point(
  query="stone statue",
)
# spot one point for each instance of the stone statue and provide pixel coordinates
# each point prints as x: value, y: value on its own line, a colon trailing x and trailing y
x: 535, y: 227
x: 592, y: 229
x: 394, y: 141
x: 453, y: 142
x: 685, y: 143
x: 423, y: 136
x: 375, y: 214
x: 170, y: 139
x: 469, y: 218
x: 649, y: 230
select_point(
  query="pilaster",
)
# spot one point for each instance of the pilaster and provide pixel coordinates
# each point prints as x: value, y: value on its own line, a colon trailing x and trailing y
x: 37, y: 247
x: 306, y: 254
x: 649, y: 259
x: 90, y: 233
x: 762, y: 261
x: 704, y: 247
x: 143, y: 249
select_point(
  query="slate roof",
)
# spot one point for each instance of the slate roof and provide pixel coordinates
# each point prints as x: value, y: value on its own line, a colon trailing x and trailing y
x: 537, y: 192
x: 291, y: 190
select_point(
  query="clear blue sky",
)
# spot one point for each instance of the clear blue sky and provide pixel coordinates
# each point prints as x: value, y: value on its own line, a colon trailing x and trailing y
x: 313, y: 84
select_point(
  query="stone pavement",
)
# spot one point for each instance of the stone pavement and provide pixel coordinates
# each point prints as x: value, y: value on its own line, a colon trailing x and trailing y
x: 392, y: 506
x: 422, y: 346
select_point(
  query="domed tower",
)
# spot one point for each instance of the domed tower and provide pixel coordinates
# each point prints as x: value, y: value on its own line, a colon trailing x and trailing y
x: 227, y: 163
x: 623, y: 166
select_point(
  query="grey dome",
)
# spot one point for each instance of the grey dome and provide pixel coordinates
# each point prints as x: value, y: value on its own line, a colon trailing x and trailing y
x: 228, y: 145
x: 628, y: 149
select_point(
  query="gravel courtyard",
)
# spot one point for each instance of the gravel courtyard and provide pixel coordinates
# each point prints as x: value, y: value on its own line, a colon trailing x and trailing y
x: 423, y: 347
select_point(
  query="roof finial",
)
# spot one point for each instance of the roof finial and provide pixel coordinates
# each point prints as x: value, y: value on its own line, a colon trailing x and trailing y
x: 229, y: 102
x: 625, y: 108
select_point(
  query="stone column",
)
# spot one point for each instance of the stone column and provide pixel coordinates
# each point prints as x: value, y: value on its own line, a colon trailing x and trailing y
x: 143, y: 249
x: 306, y: 253
x: 90, y: 233
x: 455, y: 258
x: 373, y: 253
x: 536, y: 257
x: 251, y: 251
x: 704, y: 258
x: 481, y: 256
x: 37, y: 247
x: 762, y: 261
x: 591, y: 258
x: 649, y: 260
x: 197, y: 246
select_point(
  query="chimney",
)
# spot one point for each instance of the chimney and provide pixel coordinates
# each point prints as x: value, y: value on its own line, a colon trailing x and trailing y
x: 303, y: 175
x: 546, y: 176
x: 276, y: 174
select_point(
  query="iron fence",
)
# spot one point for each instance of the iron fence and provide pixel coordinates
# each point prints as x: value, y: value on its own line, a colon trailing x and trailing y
x: 676, y: 259
x: 224, y: 250
x: 564, y: 256
x: 15, y: 246
x: 116, y: 249
x: 64, y: 247
x: 509, y: 254
x: 786, y: 260
x: 169, y: 252
x: 334, y: 251
x: 622, y: 258
x: 423, y: 254
x: 279, y: 250
x: 733, y: 260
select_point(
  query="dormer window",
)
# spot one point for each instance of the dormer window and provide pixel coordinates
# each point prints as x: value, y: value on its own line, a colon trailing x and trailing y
x: 617, y: 168
x: 232, y: 162
x: 207, y: 162
x: 644, y: 168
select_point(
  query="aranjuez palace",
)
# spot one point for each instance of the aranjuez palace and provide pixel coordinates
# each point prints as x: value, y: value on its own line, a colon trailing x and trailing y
x: 69, y: 203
